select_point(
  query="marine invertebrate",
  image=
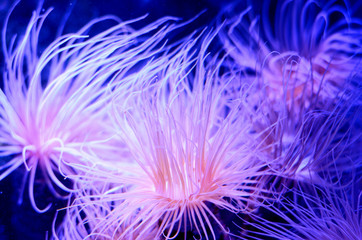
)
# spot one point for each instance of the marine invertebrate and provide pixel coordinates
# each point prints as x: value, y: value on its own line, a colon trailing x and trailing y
x: 304, y: 53
x: 305, y: 59
x: 190, y: 153
x: 53, y: 104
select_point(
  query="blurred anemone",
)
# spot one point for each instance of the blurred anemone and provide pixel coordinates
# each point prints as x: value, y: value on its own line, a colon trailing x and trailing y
x: 303, y: 61
x: 304, y: 53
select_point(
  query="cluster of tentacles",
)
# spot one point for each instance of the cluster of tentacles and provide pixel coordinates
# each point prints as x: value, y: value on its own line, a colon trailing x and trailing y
x: 249, y: 128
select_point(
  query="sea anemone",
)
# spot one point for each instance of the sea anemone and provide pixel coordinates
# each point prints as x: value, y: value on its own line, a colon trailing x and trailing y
x: 303, y: 62
x: 53, y: 104
x: 191, y: 154
x: 304, y: 53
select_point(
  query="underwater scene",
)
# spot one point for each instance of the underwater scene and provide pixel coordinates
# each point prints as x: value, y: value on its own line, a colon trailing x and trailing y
x: 171, y: 119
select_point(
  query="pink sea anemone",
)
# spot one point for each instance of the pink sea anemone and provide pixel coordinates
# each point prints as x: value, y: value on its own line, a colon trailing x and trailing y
x: 54, y: 104
x: 190, y: 153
